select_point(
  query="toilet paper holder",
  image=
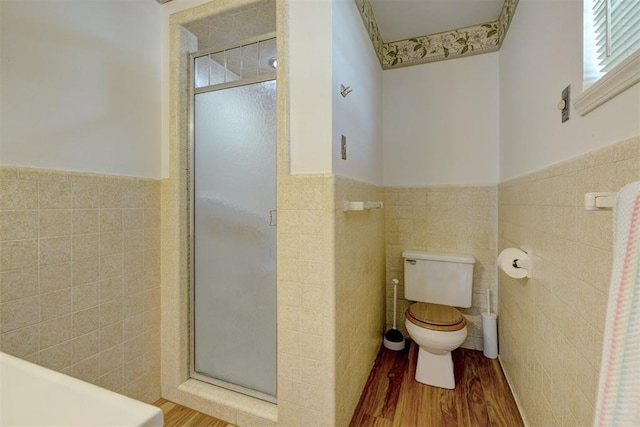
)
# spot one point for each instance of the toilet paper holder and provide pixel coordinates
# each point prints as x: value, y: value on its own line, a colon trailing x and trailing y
x: 515, y: 263
x: 520, y: 263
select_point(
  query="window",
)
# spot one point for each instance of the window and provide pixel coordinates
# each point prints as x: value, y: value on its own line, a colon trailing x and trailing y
x: 617, y: 24
x: 611, y: 50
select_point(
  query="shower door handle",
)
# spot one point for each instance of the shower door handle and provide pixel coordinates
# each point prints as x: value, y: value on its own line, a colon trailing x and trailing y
x: 273, y: 218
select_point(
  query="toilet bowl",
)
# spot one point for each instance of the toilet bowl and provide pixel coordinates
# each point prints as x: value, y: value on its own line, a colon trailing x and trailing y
x: 437, y: 330
x: 437, y: 283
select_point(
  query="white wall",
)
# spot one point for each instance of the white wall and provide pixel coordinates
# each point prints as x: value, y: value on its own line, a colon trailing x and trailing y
x: 440, y: 123
x: 328, y: 45
x: 80, y: 84
x: 359, y: 115
x: 310, y: 86
x: 167, y: 10
x: 541, y: 55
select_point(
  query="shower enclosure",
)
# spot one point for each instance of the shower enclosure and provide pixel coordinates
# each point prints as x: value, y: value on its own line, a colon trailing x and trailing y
x: 233, y: 217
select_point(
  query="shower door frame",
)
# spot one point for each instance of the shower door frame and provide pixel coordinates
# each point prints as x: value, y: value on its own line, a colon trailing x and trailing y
x: 193, y: 91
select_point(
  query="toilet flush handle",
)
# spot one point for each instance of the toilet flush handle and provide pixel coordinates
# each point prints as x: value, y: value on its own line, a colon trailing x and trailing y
x: 411, y: 261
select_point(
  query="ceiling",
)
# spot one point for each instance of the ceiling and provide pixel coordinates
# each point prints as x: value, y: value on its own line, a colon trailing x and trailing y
x: 403, y: 19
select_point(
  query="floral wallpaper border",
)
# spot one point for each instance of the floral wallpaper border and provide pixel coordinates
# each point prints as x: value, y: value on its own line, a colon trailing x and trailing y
x: 473, y: 40
x: 369, y: 20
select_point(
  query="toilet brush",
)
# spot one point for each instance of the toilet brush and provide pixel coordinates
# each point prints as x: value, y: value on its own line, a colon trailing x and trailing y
x: 393, y: 339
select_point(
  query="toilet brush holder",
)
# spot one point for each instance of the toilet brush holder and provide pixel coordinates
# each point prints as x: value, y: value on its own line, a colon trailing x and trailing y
x: 490, y: 335
x: 397, y: 345
x: 393, y: 339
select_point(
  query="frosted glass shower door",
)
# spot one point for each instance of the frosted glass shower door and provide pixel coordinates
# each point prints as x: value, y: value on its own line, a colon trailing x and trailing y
x: 234, y: 236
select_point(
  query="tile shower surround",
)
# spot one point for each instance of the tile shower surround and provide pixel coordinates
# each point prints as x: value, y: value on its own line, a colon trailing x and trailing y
x: 552, y: 325
x: 80, y: 276
x: 447, y: 219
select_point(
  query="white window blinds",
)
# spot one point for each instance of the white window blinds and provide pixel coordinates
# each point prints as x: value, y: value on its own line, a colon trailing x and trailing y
x: 616, y: 25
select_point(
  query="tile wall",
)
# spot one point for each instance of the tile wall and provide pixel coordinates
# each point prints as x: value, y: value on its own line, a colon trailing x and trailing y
x: 447, y: 219
x: 551, y: 325
x: 330, y: 297
x: 177, y: 385
x: 80, y: 275
x: 322, y: 254
x: 359, y: 292
x: 306, y: 300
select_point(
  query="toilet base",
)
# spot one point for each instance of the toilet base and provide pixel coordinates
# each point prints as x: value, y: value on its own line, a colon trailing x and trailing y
x: 435, y: 369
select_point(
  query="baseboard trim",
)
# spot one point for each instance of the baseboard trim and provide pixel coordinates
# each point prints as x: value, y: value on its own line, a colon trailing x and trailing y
x: 515, y: 396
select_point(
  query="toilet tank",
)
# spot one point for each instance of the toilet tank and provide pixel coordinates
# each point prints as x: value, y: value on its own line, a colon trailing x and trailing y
x: 438, y: 278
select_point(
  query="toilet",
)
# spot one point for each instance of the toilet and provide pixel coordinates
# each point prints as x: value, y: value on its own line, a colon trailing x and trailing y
x: 438, y: 283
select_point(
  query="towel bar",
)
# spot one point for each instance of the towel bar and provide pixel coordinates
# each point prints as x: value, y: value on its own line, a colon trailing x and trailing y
x: 359, y: 206
x: 599, y: 201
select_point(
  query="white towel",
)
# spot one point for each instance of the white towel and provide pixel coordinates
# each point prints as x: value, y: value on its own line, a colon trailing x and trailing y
x: 618, y: 401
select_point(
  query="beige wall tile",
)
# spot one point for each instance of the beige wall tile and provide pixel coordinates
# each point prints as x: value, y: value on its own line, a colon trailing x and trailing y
x: 84, y: 296
x: 150, y: 193
x: 132, y: 349
x: 132, y: 326
x: 85, y: 192
x: 55, y: 277
x: 133, y: 241
x: 55, y: 304
x: 132, y: 284
x: 37, y: 174
x: 110, y: 243
x: 56, y: 222
x: 86, y: 370
x: 55, y: 250
x: 18, y: 194
x: 151, y: 239
x: 18, y: 254
x: 54, y: 307
x: 57, y: 357
x: 86, y: 221
x: 132, y: 193
x: 111, y: 359
x: 450, y: 219
x: 54, y: 332
x: 8, y: 172
x: 19, y: 313
x: 18, y: 225
x: 86, y: 321
x: 85, y: 346
x: 22, y: 342
x: 110, y: 289
x: 133, y: 304
x: 110, y: 266
x: 110, y: 312
x: 110, y: 220
x: 359, y: 283
x: 132, y: 219
x: 151, y: 218
x: 85, y: 271
x: 111, y: 335
x: 85, y: 246
x: 134, y: 369
x: 565, y: 301
x: 110, y: 193
x: 54, y: 194
x: 18, y: 284
x: 111, y: 380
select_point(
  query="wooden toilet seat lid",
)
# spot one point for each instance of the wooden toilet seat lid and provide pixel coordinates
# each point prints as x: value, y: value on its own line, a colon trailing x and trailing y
x: 435, y: 316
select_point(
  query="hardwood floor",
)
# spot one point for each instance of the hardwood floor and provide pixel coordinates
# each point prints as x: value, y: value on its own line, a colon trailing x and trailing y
x: 392, y: 397
x: 179, y: 416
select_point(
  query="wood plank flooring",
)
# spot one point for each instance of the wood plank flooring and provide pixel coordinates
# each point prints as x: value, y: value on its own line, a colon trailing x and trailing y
x: 392, y: 397
x: 179, y: 416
